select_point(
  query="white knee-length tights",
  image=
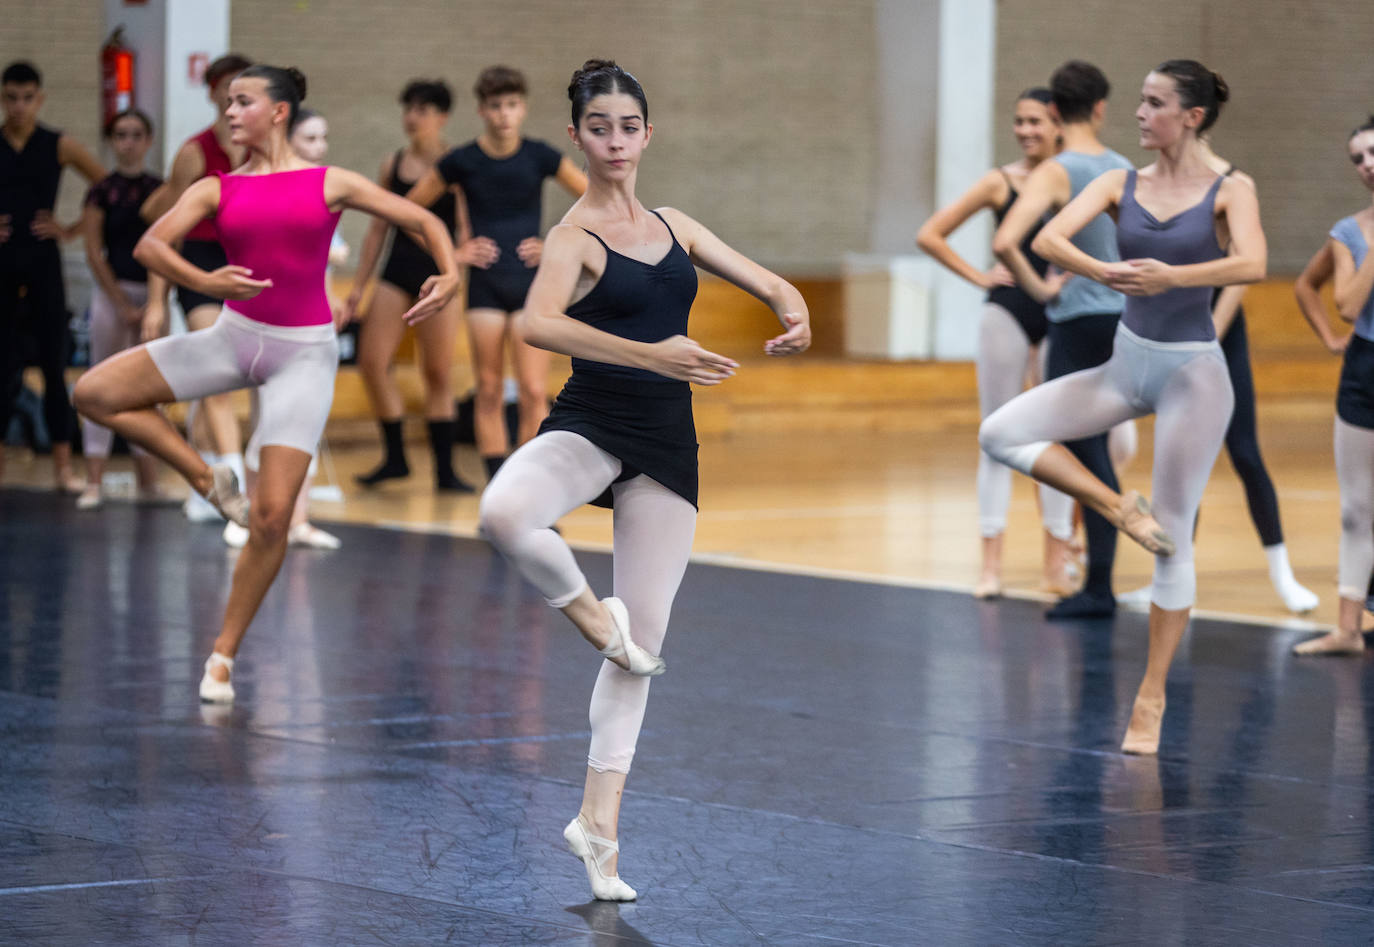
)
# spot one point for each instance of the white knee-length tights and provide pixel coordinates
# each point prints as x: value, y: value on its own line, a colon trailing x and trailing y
x: 1355, y: 473
x: 552, y: 475
x: 1186, y: 386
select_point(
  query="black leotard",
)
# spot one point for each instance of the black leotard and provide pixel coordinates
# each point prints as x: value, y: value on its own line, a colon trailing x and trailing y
x: 119, y: 198
x: 505, y: 200
x: 641, y: 418
x: 1028, y: 313
x: 408, y: 264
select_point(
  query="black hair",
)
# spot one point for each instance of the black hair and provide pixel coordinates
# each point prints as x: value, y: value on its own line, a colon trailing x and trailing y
x: 433, y: 92
x: 283, y: 85
x: 21, y: 73
x: 1198, y: 87
x: 1366, y: 126
x: 602, y: 77
x: 1075, y: 88
x: 139, y: 114
x: 1037, y: 94
x: 499, y: 80
x: 223, y: 67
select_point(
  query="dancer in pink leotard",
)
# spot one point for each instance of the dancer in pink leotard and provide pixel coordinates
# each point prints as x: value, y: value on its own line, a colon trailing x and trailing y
x: 275, y: 216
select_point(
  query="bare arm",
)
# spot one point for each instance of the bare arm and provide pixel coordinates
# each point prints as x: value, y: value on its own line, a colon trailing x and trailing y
x: 71, y: 153
x: 570, y: 176
x: 1307, y: 287
x: 155, y: 313
x: 1045, y: 189
x: 543, y: 322
x: 155, y: 248
x: 713, y: 255
x: 344, y: 188
x: 187, y: 167
x: 1054, y: 242
x: 989, y: 191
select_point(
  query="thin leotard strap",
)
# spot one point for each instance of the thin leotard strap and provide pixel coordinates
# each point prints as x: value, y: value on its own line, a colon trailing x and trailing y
x: 666, y: 224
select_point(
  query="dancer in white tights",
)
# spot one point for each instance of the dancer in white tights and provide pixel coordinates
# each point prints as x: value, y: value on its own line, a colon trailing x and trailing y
x: 1010, y: 333
x: 1352, y: 266
x: 613, y: 290
x: 1166, y: 358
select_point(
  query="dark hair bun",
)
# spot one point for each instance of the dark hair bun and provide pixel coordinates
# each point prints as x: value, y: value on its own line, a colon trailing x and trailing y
x: 298, y: 78
x: 1223, y: 91
x: 589, y: 68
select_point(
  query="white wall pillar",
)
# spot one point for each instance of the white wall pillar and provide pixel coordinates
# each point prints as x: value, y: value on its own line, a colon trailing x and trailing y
x: 963, y: 152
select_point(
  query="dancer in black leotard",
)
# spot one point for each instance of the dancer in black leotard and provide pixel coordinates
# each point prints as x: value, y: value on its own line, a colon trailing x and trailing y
x: 622, y: 426
x: 33, y: 302
x: 426, y: 105
x: 501, y: 175
x: 1012, y: 327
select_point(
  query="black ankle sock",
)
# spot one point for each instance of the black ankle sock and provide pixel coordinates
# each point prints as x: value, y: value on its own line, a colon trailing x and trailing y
x: 441, y: 435
x: 1089, y: 603
x: 393, y: 463
x: 493, y: 464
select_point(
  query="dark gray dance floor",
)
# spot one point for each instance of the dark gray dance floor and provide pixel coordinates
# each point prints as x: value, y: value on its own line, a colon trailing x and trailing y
x: 824, y: 763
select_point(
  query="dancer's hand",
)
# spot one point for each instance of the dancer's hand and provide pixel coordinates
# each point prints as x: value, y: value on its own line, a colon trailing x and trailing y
x: 435, y: 294
x: 233, y: 282
x: 480, y: 252
x: 685, y: 360
x: 5, y: 229
x: 1339, y: 343
x: 795, y: 340
x: 999, y: 275
x: 529, y: 251
x: 45, y: 226
x: 1139, y: 277
x: 130, y: 314
x: 154, y: 321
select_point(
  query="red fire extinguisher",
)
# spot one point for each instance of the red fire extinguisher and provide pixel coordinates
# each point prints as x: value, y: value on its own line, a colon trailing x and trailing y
x: 116, y: 76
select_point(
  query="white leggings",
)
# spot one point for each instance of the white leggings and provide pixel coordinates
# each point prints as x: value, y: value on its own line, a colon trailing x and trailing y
x: 1355, y: 473
x: 552, y: 475
x: 293, y: 368
x: 109, y: 334
x: 1186, y: 386
x: 1004, y: 356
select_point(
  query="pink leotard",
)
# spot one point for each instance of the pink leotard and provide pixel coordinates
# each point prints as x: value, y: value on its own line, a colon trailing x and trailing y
x: 278, y: 226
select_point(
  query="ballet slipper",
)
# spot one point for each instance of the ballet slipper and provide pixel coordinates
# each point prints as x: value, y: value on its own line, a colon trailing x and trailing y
x: 583, y: 844
x: 1136, y: 521
x: 1142, y: 733
x: 1334, y: 642
x: 213, y: 690
x: 224, y: 495
x: 1297, y: 598
x: 91, y: 498
x: 308, y: 534
x: 637, y: 661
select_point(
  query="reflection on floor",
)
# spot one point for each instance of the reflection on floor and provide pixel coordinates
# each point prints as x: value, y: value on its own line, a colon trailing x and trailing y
x: 824, y: 762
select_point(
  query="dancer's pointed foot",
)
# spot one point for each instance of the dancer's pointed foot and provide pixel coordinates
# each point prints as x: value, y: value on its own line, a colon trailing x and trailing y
x: 595, y: 851
x: 631, y: 656
x: 1136, y: 521
x: 1142, y: 733
x: 1334, y: 642
x: 224, y: 494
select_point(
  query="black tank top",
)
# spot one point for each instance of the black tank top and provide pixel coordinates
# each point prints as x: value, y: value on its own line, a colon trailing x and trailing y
x: 1014, y: 299
x: 445, y: 208
x: 28, y: 184
x: 644, y: 302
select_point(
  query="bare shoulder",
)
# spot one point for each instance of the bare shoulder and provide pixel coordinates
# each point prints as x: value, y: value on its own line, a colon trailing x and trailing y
x: 566, y: 238
x: 685, y: 229
x: 1237, y: 186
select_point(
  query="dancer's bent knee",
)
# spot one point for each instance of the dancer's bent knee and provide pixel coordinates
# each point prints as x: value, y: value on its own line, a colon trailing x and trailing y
x: 1001, y: 443
x: 1175, y: 583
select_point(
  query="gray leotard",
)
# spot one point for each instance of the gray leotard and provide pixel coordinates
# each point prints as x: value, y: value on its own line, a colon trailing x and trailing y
x: 1348, y: 232
x: 1175, y: 315
x: 1080, y: 295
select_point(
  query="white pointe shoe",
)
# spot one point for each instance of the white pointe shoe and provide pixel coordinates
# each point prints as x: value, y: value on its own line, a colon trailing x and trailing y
x: 641, y: 663
x: 604, y: 887
x: 225, y: 495
x: 308, y: 534
x: 211, y: 690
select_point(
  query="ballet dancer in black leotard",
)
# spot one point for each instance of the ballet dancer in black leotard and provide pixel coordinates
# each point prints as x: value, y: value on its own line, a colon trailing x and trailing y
x: 33, y: 302
x: 425, y: 108
x: 501, y: 175
x: 1012, y: 327
x: 621, y: 429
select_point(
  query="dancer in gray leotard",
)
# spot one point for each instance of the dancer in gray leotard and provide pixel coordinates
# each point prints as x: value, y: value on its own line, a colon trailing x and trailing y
x: 1166, y: 359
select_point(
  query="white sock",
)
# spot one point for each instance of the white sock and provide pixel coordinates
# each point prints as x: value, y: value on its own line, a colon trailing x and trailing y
x: 1280, y: 570
x: 1294, y: 594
